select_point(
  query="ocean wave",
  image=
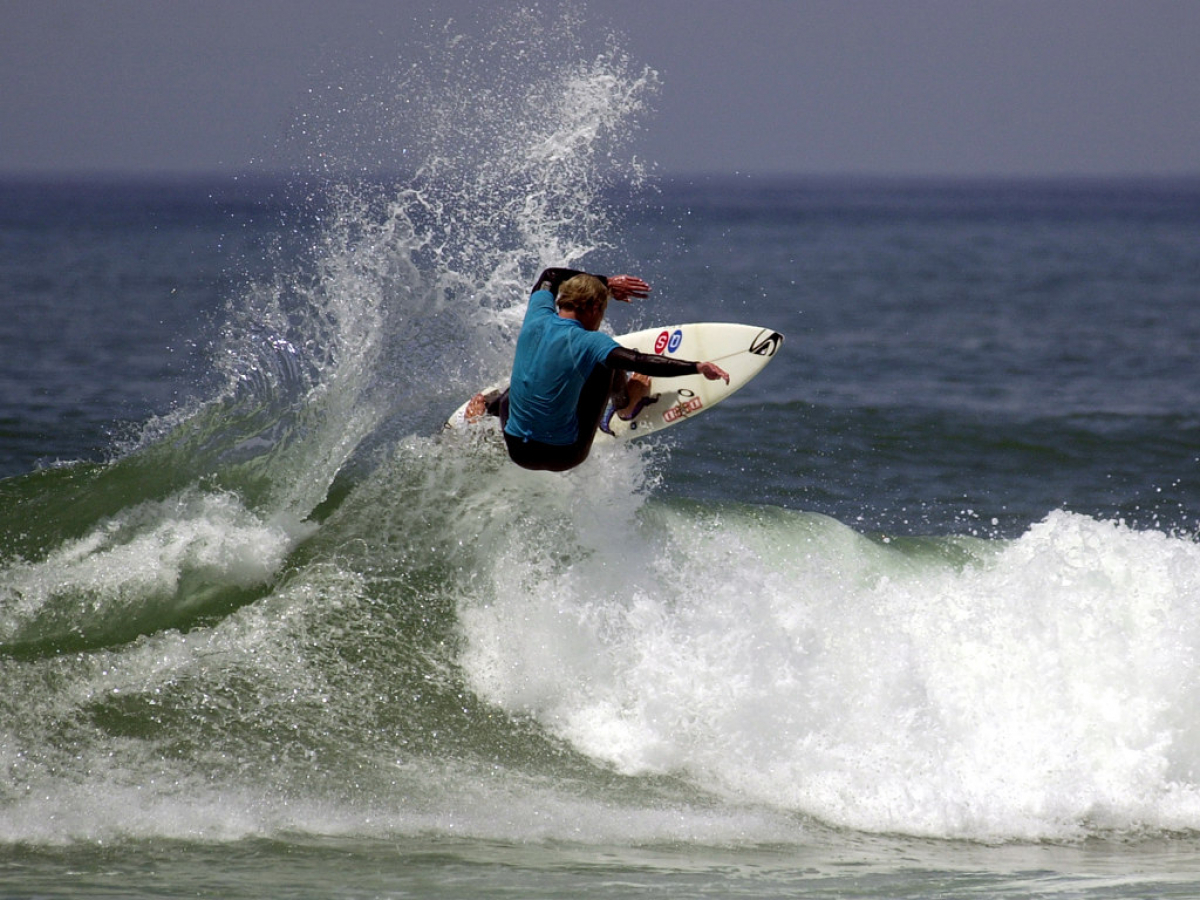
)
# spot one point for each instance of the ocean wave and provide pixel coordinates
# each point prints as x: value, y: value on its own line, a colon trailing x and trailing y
x: 1027, y: 689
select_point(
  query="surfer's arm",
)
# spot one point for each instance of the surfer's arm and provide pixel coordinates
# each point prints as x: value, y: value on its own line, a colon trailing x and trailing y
x: 551, y: 279
x: 621, y: 287
x: 648, y: 363
x: 656, y: 366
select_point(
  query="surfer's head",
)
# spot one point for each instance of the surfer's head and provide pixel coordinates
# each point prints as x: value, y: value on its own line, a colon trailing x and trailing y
x: 585, y: 298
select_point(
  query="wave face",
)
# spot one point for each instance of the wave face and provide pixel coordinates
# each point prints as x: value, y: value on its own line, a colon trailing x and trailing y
x: 289, y: 608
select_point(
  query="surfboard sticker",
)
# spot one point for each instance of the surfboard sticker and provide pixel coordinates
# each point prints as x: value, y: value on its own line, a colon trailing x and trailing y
x: 741, y: 350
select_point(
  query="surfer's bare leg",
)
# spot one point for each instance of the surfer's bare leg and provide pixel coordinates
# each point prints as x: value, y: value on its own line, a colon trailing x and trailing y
x: 636, y: 388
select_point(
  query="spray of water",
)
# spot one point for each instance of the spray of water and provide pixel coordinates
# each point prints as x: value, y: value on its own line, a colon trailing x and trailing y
x: 396, y: 295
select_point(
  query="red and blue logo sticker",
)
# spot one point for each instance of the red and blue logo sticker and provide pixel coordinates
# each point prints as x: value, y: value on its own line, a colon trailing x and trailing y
x: 668, y: 341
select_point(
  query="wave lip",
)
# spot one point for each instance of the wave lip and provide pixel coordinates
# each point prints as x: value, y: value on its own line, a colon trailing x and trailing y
x: 155, y: 565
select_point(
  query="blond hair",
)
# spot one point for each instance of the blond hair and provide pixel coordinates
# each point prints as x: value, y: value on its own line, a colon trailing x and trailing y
x: 581, y: 293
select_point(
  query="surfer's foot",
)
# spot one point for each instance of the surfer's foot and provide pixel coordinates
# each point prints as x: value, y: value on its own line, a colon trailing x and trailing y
x: 485, y: 403
x: 476, y: 408
x: 637, y: 387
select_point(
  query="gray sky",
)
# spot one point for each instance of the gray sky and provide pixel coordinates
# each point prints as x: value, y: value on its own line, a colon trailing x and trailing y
x: 910, y: 87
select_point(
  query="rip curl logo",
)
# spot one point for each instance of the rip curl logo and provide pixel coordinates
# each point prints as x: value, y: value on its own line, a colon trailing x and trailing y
x: 766, y: 344
x: 660, y: 342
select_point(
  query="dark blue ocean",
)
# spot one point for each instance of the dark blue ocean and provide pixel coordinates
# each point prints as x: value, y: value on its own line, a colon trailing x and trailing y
x: 914, y: 614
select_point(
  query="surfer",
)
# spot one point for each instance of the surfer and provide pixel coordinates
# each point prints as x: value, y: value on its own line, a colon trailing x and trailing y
x: 565, y: 371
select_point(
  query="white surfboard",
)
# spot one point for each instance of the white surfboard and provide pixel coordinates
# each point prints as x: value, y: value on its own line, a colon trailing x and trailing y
x: 741, y: 350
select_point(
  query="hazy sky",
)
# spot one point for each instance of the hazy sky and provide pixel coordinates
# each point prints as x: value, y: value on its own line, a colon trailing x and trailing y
x: 917, y: 87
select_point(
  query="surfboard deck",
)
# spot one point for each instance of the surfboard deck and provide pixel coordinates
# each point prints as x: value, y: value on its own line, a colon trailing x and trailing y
x: 741, y: 350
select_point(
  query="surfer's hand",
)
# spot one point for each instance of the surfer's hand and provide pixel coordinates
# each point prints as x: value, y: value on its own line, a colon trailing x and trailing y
x: 712, y: 371
x: 626, y: 287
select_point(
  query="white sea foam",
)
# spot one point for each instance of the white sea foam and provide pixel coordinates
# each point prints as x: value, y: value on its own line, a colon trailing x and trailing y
x: 1043, y: 688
